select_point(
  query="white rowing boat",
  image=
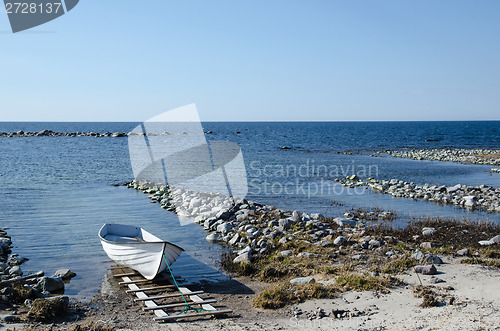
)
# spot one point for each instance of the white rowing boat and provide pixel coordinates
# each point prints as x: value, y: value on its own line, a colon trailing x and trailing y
x: 138, y: 249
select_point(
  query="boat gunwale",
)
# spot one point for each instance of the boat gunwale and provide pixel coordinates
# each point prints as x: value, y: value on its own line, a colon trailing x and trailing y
x: 136, y: 242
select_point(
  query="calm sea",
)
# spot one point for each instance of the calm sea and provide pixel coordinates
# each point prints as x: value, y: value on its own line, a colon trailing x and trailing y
x: 56, y: 192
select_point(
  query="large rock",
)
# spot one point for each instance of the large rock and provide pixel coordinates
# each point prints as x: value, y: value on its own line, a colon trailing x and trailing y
x: 295, y: 216
x: 5, y: 242
x: 17, y: 260
x: 344, y: 221
x: 208, y: 222
x: 433, y: 259
x: 286, y: 253
x: 428, y: 231
x: 245, y: 257
x: 64, y: 274
x: 469, y: 201
x: 224, y: 227
x: 236, y: 238
x: 427, y: 245
x: 213, y: 237
x: 496, y: 239
x: 303, y: 280
x: 16, y: 271
x: 285, y: 224
x: 340, y: 240
x: 425, y: 269
x: 49, y: 284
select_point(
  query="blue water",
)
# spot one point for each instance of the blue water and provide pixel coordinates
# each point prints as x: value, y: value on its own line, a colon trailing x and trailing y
x: 56, y: 192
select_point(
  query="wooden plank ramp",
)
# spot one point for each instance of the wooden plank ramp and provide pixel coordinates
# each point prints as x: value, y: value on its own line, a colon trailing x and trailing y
x: 168, y: 305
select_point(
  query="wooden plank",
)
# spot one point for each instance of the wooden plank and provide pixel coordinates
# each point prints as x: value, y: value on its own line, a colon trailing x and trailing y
x: 182, y: 304
x: 153, y: 288
x: 149, y: 303
x: 126, y: 274
x: 166, y: 296
x: 174, y: 317
x: 137, y: 281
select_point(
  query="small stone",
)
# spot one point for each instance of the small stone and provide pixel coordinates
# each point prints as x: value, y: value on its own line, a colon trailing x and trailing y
x: 428, y: 245
x: 283, y: 240
x: 463, y: 252
x: 340, y: 240
x: 286, y: 253
x: 418, y: 255
x: 303, y: 280
x: 8, y: 318
x: 435, y: 280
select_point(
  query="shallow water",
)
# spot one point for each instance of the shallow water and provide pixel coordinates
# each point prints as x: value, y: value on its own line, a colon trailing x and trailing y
x: 57, y: 191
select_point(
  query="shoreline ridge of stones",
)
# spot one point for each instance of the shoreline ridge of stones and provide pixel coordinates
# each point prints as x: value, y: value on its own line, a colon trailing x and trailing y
x: 251, y: 229
x: 480, y: 197
x: 50, y: 133
x: 481, y: 156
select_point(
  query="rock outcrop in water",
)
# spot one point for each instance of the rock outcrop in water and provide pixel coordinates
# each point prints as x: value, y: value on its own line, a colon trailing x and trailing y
x: 475, y: 156
x: 17, y: 288
x: 50, y: 133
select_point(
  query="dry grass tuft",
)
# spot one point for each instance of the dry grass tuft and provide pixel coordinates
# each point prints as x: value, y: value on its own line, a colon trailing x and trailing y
x: 91, y: 326
x: 429, y: 296
x: 45, y: 310
x: 280, y: 295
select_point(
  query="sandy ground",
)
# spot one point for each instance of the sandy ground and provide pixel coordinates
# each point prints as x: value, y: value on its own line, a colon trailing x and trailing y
x: 476, y: 306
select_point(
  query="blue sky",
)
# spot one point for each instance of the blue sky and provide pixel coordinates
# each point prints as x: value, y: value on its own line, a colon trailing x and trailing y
x: 274, y: 60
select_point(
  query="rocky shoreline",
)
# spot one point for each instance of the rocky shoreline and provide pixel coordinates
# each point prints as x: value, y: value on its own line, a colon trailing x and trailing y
x: 469, y: 197
x: 475, y: 156
x: 33, y: 297
x: 255, y: 230
x: 306, y: 257
x: 50, y: 133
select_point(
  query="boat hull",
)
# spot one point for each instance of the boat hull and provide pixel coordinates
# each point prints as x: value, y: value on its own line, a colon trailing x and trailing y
x: 137, y: 249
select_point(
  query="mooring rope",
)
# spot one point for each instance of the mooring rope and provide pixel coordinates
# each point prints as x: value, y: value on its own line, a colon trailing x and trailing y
x: 187, y: 307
